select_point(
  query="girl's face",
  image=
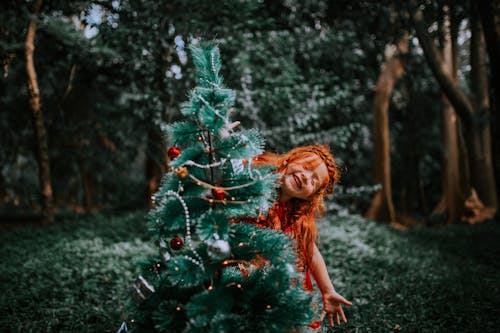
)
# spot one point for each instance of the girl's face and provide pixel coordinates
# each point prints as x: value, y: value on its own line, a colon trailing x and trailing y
x: 303, y: 177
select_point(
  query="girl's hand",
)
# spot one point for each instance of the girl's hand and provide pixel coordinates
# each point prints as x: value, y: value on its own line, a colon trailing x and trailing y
x: 332, y: 304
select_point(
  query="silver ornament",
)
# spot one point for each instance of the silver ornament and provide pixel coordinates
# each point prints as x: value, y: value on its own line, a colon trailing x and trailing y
x: 220, y: 249
x: 142, y: 289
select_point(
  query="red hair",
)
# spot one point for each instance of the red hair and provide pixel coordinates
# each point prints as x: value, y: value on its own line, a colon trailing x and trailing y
x: 300, y: 214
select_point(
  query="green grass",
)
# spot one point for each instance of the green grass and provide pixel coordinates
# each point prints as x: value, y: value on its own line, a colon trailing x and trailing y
x: 74, y: 276
x: 443, y: 279
x: 69, y: 277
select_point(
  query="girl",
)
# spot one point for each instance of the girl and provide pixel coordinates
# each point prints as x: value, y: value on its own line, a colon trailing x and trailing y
x: 309, y: 172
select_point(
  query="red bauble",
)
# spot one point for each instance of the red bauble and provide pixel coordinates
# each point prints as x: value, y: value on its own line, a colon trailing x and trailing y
x: 288, y: 230
x: 315, y: 325
x: 173, y: 152
x: 176, y: 243
x: 219, y: 194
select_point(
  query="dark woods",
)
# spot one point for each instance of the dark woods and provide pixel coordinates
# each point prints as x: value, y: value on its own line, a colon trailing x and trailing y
x: 405, y: 94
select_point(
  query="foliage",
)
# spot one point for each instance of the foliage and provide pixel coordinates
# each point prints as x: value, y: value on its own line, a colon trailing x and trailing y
x: 74, y: 276
x: 111, y: 72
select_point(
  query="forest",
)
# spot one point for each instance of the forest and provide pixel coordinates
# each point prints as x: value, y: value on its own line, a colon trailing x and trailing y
x: 405, y: 93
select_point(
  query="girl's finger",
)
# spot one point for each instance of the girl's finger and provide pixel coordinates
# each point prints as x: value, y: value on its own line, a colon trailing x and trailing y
x: 330, y: 317
x: 322, y: 316
x: 344, y: 301
x: 343, y: 315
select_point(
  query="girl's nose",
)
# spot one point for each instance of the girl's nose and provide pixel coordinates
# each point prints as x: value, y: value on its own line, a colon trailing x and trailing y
x: 305, y: 179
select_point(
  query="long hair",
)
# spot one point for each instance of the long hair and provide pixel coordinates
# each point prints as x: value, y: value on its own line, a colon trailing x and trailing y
x: 301, y: 214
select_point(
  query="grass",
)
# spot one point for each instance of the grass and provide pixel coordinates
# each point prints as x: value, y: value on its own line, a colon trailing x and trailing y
x: 74, y: 276
x: 421, y: 280
x: 69, y: 277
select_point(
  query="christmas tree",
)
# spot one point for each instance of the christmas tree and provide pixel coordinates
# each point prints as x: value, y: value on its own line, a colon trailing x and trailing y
x: 213, y: 273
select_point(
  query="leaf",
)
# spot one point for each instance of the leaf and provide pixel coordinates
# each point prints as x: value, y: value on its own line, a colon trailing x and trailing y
x: 213, y: 222
x: 242, y: 144
x: 192, y: 153
x: 182, y: 133
x: 184, y: 273
x: 206, y: 305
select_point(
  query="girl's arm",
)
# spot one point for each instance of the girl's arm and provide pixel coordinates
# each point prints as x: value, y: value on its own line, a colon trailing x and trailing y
x: 331, y: 299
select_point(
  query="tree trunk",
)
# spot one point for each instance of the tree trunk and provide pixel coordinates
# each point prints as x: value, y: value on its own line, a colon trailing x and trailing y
x: 155, y: 163
x: 382, y: 206
x: 482, y: 174
x: 455, y: 95
x: 88, y: 186
x: 38, y: 121
x: 468, y: 113
x: 489, y: 11
x: 452, y: 202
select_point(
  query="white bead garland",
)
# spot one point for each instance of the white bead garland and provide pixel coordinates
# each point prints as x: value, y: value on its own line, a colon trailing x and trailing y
x: 196, y: 262
x: 212, y: 58
x: 188, y: 228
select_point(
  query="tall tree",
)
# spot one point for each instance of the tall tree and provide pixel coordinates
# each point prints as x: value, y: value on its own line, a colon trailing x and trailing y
x: 489, y: 11
x: 473, y: 118
x: 453, y: 196
x: 382, y: 206
x: 479, y: 144
x: 38, y: 120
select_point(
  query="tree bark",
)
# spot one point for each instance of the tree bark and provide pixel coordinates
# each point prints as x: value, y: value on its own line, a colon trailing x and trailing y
x: 38, y: 121
x: 88, y: 186
x: 155, y: 163
x: 482, y: 174
x: 452, y: 201
x: 382, y: 206
x: 489, y: 12
x: 456, y: 96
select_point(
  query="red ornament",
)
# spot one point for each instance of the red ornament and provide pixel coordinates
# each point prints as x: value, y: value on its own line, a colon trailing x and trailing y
x: 173, y: 152
x: 288, y: 230
x: 219, y: 194
x: 315, y: 325
x: 176, y: 243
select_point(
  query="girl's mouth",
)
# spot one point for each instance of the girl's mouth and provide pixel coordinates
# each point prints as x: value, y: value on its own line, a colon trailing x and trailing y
x: 298, y: 182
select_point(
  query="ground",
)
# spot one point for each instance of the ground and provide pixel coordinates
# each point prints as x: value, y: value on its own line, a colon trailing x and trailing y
x: 74, y: 276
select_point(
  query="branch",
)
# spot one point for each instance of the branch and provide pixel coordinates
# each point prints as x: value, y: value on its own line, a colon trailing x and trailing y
x: 455, y: 95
